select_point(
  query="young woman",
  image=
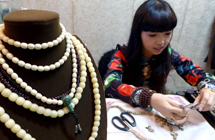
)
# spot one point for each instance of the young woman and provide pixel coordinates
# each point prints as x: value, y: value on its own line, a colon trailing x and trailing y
x: 138, y: 70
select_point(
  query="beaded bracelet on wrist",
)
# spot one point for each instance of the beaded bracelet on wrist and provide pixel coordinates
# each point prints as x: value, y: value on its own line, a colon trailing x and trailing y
x: 145, y: 98
x: 133, y: 93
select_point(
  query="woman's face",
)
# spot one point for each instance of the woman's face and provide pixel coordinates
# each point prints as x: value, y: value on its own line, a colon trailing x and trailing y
x: 154, y: 42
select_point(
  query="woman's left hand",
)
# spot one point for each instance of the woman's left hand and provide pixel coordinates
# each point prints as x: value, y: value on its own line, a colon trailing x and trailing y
x: 207, y: 100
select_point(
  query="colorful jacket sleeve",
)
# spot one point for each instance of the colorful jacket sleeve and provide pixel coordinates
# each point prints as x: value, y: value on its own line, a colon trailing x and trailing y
x: 113, y: 85
x: 190, y: 72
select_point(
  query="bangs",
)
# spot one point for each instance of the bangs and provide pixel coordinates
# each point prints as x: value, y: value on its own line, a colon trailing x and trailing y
x: 159, y: 18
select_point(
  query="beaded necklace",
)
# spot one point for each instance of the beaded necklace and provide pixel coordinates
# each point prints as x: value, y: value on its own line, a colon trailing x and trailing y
x: 32, y: 46
x: 13, y: 97
x: 34, y: 92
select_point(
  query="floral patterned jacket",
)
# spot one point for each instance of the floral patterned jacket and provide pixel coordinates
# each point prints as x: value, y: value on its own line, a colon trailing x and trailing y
x: 191, y: 73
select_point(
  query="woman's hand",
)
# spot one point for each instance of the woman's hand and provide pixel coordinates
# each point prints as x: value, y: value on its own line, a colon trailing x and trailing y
x: 169, y: 108
x: 207, y: 100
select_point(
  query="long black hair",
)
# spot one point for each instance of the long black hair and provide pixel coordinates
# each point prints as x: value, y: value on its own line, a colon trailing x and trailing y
x: 154, y: 16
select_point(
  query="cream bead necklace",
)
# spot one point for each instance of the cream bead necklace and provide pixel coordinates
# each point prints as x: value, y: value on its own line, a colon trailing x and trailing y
x: 33, y: 67
x: 32, y: 46
x: 13, y: 97
x: 43, y: 98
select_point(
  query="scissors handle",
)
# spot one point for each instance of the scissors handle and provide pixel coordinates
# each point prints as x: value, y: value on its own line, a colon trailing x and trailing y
x: 124, y: 118
x: 125, y: 128
x: 137, y: 134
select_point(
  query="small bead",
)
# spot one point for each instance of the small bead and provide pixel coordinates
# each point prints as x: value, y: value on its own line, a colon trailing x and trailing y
x: 40, y: 68
x: 28, y: 88
x: 16, y: 128
x: 94, y: 134
x: 27, y: 66
x: 97, y: 118
x: 27, y: 137
x: 10, y: 41
x: 44, y: 45
x: 79, y: 90
x: 1, y: 111
x: 14, y: 75
x: 97, y: 112
x: 20, y: 101
x: 30, y: 46
x: 34, y: 67
x: 54, y: 114
x: 75, y: 101
x: 34, y: 107
x: 21, y: 63
x: 2, y: 87
x: 21, y: 134
x: 6, y: 92
x: 95, y: 90
x: 78, y: 96
x: 95, y: 129
x: 27, y: 104
x: 33, y: 92
x: 38, y: 46
x: 47, y: 112
x: 49, y: 101
x: 44, y: 99
x: 17, y: 44
x: 15, y: 60
x: 60, y: 113
x: 10, y: 123
x: 96, y: 123
x: 97, y: 102
x: 39, y: 96
x: 23, y: 85
x: 13, y: 97
x: 40, y: 110
x: 19, y: 80
x: 24, y: 45
x: 46, y: 68
x: 4, y: 118
x: 52, y: 67
x: 50, y: 44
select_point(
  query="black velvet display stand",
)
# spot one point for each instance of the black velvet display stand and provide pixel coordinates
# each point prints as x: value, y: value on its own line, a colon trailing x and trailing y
x: 37, y: 26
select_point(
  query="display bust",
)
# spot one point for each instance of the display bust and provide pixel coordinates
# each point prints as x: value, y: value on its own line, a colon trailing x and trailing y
x: 41, y: 63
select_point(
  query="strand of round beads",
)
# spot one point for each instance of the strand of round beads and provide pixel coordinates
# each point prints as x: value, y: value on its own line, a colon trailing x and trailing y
x: 94, y: 81
x: 33, y: 67
x: 39, y: 95
x: 15, y: 87
x: 13, y: 97
x: 32, y: 46
x: 15, y: 128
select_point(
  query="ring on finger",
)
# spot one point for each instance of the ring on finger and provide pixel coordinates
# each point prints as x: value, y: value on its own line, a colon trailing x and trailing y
x: 171, y: 120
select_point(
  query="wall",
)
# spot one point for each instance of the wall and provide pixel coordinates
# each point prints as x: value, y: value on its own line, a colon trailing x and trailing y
x: 101, y: 24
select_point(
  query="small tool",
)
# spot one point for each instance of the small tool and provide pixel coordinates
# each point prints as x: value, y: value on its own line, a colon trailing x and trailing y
x: 123, y: 119
x: 191, y: 106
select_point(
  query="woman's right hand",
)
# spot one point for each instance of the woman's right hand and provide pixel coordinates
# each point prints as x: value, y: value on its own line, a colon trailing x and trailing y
x: 169, y: 108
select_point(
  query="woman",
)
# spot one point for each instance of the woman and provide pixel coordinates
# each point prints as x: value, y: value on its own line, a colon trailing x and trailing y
x: 138, y: 70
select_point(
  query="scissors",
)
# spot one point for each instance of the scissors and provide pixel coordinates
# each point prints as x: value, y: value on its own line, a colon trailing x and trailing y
x: 127, y: 124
